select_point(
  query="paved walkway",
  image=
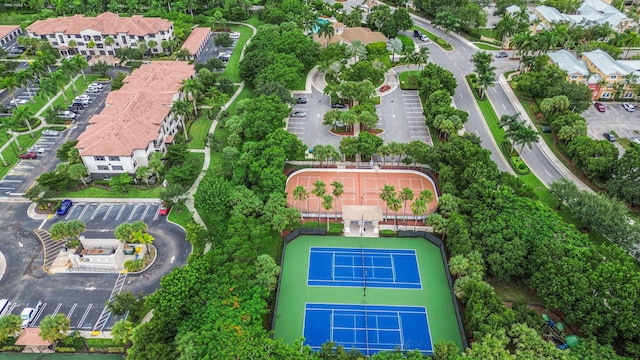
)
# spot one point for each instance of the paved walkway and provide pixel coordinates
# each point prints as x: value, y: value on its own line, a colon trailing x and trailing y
x: 189, y: 203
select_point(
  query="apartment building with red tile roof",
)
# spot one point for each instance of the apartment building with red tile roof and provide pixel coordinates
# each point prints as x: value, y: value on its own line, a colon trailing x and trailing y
x: 8, y: 33
x: 80, y: 34
x: 197, y: 41
x: 136, y: 121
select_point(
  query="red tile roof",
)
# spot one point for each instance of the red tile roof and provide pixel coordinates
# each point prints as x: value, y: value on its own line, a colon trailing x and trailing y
x: 132, y: 115
x: 106, y: 23
x: 195, y: 40
x: 7, y: 29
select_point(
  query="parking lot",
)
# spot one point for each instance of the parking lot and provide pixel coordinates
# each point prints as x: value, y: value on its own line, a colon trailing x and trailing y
x: 615, y: 119
x: 20, y: 177
x: 212, y: 51
x: 106, y: 216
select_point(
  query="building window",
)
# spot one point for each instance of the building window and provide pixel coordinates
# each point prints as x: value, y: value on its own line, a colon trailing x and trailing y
x: 606, y: 95
x: 117, y: 167
x: 97, y: 37
x: 132, y: 37
x: 613, y: 77
x: 114, y: 158
x: 609, y: 86
x: 98, y: 158
x: 628, y: 95
x: 574, y: 77
x: 52, y: 36
x: 78, y: 37
x: 54, y: 43
x: 135, y: 163
x: 86, y: 37
x: 43, y: 37
x: 103, y: 167
x: 80, y: 44
x: 153, y: 36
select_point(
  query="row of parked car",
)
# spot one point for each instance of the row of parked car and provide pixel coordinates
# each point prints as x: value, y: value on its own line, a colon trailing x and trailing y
x: 27, y: 315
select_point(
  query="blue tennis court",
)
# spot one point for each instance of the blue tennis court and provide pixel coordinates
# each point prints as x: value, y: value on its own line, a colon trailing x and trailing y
x: 368, y: 328
x: 358, y: 267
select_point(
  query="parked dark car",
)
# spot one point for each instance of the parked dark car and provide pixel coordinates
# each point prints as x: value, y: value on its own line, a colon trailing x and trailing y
x: 301, y: 100
x: 65, y: 206
x: 599, y: 106
x: 417, y: 34
x: 385, y: 88
x: 502, y: 54
x: 609, y: 137
x: 338, y: 106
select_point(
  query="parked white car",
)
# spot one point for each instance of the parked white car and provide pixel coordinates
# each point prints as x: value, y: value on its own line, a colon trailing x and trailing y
x: 66, y: 114
x: 93, y: 90
x: 97, y: 85
x: 50, y: 132
x: 28, y: 314
x: 629, y: 107
x: 234, y: 35
x: 36, y: 149
x: 83, y: 97
x: 18, y: 102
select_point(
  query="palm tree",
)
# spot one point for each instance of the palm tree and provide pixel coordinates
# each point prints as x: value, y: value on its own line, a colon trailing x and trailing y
x: 327, y: 204
x: 142, y: 237
x: 631, y: 38
x: 182, y: 110
x: 54, y: 327
x: 24, y: 78
x: 319, y: 190
x: 423, y: 55
x: 418, y: 207
x: 38, y: 68
x: 152, y: 44
x: 23, y: 113
x: 47, y: 59
x: 80, y: 63
x: 524, y: 136
x: 194, y: 88
x: 48, y: 88
x: 60, y: 80
x: 405, y: 195
x: 67, y: 68
x: 485, y: 80
x: 427, y: 196
x: 10, y: 83
x: 301, y: 194
x: 394, y: 203
x: 387, y: 192
x: 338, y: 190
x: 326, y: 30
x: 357, y: 49
x: 505, y: 28
x: 122, y: 331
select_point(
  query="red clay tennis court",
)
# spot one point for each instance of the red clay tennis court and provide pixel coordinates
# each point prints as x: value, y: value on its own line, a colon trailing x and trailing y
x: 361, y: 187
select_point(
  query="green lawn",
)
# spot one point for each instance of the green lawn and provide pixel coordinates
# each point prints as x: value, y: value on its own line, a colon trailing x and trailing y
x: 12, y: 151
x: 198, y: 132
x: 97, y: 192
x: 253, y: 20
x: 232, y: 70
x: 180, y: 215
x: 485, y: 46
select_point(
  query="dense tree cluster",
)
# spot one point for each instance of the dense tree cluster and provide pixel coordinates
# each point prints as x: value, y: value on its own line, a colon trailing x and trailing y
x: 278, y: 53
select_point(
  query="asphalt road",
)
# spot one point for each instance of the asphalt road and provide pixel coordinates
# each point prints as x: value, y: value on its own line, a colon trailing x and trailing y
x: 81, y: 296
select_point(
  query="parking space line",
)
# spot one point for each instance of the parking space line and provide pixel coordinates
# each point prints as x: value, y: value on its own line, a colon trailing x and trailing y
x: 73, y: 308
x: 84, y: 316
x: 108, y: 211
x: 135, y: 207
x: 120, y: 212
x: 96, y: 211
x: 84, y: 210
x: 57, y: 309
x: 144, y: 213
x: 37, y: 317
